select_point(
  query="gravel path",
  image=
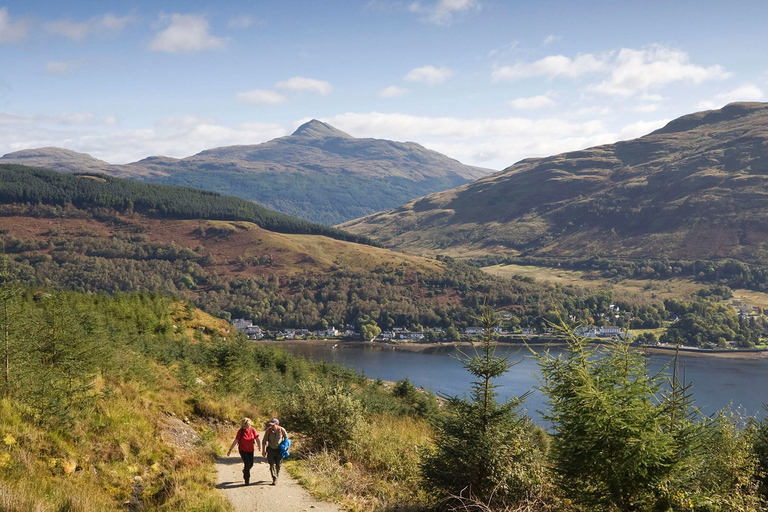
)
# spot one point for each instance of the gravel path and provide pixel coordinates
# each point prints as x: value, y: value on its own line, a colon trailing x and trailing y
x: 261, y: 496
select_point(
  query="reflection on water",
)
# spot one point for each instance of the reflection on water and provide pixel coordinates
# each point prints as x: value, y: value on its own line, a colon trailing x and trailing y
x: 717, y: 382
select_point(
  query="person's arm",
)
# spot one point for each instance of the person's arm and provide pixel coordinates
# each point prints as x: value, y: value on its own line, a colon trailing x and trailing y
x: 264, y: 446
x: 258, y: 442
x: 231, y: 447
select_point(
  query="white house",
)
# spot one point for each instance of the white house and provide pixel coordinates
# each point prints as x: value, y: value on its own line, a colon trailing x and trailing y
x: 241, y: 324
x: 474, y: 331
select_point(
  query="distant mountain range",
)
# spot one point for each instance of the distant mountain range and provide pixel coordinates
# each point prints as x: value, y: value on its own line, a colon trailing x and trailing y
x: 318, y: 173
x: 695, y: 189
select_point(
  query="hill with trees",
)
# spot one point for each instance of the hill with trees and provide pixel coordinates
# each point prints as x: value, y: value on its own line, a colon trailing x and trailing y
x: 696, y: 189
x: 318, y: 173
x: 95, y: 234
x: 20, y: 184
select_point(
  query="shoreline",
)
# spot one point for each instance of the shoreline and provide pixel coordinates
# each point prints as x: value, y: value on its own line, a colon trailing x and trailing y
x: 428, y: 347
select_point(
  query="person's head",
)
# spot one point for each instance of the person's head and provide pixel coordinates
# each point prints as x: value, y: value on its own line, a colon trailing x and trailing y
x: 274, y: 423
x: 245, y: 423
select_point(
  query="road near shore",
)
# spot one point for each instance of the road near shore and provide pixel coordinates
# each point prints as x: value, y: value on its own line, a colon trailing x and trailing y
x: 260, y: 495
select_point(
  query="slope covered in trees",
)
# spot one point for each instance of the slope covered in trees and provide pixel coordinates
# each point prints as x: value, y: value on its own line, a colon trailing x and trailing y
x: 20, y: 184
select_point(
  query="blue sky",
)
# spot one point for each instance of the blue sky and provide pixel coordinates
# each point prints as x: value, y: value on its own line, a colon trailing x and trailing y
x: 487, y: 82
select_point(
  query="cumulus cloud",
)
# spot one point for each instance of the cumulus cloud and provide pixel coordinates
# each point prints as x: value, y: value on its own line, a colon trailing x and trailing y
x: 429, y: 75
x: 11, y: 31
x: 746, y: 92
x: 640, y: 128
x: 637, y: 71
x: 77, y: 31
x: 393, y: 91
x: 262, y: 96
x: 443, y: 12
x: 553, y: 66
x: 299, y: 83
x: 176, y: 137
x: 63, y: 68
x: 646, y: 107
x: 186, y: 33
x: 491, y: 142
x: 627, y: 72
x: 534, y: 102
x: 241, y: 22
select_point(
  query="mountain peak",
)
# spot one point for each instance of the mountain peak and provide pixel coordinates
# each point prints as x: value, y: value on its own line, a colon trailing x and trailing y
x: 320, y: 130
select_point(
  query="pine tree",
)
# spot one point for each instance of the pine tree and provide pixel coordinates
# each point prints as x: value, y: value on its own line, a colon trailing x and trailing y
x: 483, y: 448
x: 612, y: 445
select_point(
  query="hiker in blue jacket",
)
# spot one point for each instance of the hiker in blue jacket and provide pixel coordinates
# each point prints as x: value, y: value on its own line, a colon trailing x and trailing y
x: 273, y: 436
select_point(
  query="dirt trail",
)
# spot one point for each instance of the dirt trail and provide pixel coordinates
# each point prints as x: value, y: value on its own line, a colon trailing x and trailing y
x: 261, y: 496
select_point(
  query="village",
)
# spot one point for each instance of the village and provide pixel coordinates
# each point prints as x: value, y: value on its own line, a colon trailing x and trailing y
x: 401, y: 334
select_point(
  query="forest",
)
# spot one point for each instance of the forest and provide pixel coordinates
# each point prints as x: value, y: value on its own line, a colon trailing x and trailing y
x: 21, y: 184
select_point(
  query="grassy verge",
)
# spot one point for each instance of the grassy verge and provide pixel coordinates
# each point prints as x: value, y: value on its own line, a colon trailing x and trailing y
x: 378, y: 471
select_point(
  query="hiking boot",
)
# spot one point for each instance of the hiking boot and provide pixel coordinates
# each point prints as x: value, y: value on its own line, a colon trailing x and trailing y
x: 274, y: 480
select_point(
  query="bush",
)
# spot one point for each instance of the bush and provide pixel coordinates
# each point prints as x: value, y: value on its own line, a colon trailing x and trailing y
x: 329, y: 416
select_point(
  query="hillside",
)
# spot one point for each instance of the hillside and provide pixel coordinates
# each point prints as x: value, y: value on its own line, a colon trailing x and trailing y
x: 695, y: 189
x: 33, y: 185
x: 94, y: 234
x: 318, y: 173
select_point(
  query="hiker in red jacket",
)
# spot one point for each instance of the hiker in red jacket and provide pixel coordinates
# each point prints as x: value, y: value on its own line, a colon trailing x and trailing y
x: 245, y: 439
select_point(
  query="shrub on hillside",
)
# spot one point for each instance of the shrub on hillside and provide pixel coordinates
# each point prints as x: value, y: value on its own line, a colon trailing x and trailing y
x: 329, y: 416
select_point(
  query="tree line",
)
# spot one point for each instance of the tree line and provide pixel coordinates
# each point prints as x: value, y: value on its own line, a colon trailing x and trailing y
x: 27, y: 185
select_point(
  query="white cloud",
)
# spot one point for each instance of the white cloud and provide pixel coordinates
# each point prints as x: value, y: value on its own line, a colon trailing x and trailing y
x: 640, y: 128
x: 646, y: 108
x: 652, y: 97
x: 534, y: 102
x: 442, y: 12
x: 637, y: 71
x: 429, y: 75
x: 553, y: 66
x: 628, y: 72
x: 77, y: 31
x: 261, y: 96
x: 746, y: 92
x: 241, y: 22
x: 299, y: 83
x: 176, y: 137
x: 186, y: 33
x: 393, y: 91
x: 551, y: 39
x: 75, y: 119
x: 11, y: 31
x: 493, y: 142
x: 63, y: 68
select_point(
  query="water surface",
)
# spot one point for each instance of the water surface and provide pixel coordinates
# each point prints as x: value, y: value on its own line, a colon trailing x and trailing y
x: 717, y: 382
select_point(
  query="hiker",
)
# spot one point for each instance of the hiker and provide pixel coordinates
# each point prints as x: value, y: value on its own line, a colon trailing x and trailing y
x: 245, y: 439
x: 273, y: 436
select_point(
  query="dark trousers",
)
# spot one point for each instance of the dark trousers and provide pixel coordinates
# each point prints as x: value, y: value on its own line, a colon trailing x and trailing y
x: 274, y: 459
x: 247, y: 464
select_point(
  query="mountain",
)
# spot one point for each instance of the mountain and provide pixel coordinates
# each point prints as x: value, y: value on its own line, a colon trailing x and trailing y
x: 695, y: 189
x: 318, y: 173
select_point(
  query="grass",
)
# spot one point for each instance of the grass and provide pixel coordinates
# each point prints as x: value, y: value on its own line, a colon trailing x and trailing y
x: 636, y: 289
x: 379, y: 471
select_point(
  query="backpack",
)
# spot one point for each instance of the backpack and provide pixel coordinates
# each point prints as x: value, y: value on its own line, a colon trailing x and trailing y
x: 284, y: 445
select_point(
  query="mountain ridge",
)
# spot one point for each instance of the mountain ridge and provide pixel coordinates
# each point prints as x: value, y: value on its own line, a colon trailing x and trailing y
x: 318, y: 173
x: 694, y: 189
